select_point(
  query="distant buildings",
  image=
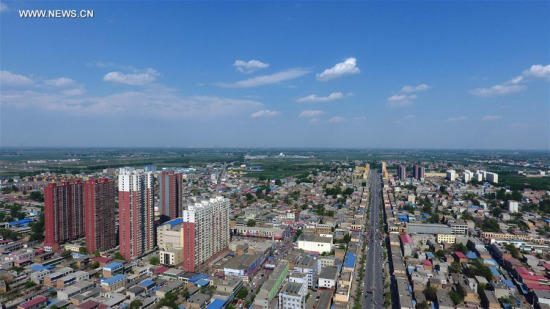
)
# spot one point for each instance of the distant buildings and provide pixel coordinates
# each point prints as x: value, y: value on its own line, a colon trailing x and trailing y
x: 451, y: 175
x: 205, y: 231
x: 384, y: 170
x: 136, y: 204
x: 419, y: 172
x: 170, y: 195
x: 467, y: 176
x: 63, y: 212
x: 99, y: 214
x: 401, y: 172
x: 492, y: 177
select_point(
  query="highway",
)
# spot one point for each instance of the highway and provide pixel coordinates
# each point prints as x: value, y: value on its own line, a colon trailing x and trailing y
x: 373, y: 289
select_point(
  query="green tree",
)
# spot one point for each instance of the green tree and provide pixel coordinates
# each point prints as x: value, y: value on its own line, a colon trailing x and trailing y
x: 135, y: 304
x: 185, y: 293
x: 118, y: 256
x: 29, y: 284
x: 456, y: 297
x: 278, y: 182
x: 455, y: 268
x: 431, y: 293
x: 243, y: 292
x: 251, y: 222
x: 82, y: 250
x: 66, y: 254
x: 490, y: 225
x: 154, y: 260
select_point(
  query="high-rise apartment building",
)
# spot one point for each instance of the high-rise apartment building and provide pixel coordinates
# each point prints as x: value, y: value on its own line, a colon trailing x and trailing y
x: 451, y: 175
x: 492, y: 177
x: 136, y: 212
x: 384, y: 170
x: 63, y: 212
x: 419, y: 172
x: 467, y: 176
x: 170, y: 194
x: 401, y: 172
x: 205, y: 232
x: 99, y: 214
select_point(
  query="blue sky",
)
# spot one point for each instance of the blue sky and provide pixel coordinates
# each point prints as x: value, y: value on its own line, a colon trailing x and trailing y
x: 278, y: 74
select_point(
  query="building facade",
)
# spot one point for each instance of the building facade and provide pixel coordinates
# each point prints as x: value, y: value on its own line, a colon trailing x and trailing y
x: 205, y: 231
x: 170, y: 195
x: 136, y: 205
x: 99, y: 214
x: 63, y: 212
x: 401, y: 172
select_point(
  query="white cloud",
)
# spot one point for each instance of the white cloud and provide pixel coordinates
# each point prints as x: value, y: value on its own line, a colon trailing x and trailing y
x: 266, y: 79
x: 73, y: 92
x: 401, y: 100
x: 409, y: 89
x: 491, y: 117
x: 537, y: 71
x: 349, y: 66
x: 331, y: 97
x: 360, y: 118
x: 335, y: 119
x: 410, y: 116
x: 497, y: 90
x: 3, y: 7
x: 311, y: 113
x: 59, y: 82
x: 250, y: 66
x: 155, y: 101
x: 456, y: 119
x: 133, y: 79
x: 9, y: 79
x: 265, y: 113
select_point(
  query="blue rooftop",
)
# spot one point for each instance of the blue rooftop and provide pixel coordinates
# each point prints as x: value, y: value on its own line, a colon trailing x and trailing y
x: 216, y: 304
x: 20, y: 222
x: 471, y: 255
x: 509, y: 283
x: 202, y: 282
x: 146, y: 283
x: 350, y: 260
x: 174, y: 222
x: 198, y: 277
x: 494, y: 271
x: 430, y: 255
x: 112, y: 265
x: 40, y: 267
x: 114, y: 279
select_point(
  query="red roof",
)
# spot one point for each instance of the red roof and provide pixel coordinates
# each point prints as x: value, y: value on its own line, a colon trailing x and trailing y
x: 406, y: 239
x: 427, y: 263
x: 521, y: 270
x: 160, y: 270
x: 101, y: 259
x: 460, y: 255
x: 535, y: 286
x: 547, y: 266
x: 532, y: 277
x: 34, y: 302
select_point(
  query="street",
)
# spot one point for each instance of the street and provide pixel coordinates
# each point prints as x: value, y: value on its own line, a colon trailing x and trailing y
x: 373, y: 289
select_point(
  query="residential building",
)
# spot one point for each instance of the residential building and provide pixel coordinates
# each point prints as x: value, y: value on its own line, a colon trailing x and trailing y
x: 384, y: 170
x: 99, y: 214
x: 293, y: 294
x: 205, y: 231
x: 401, y: 172
x: 136, y: 205
x: 169, y: 234
x: 170, y: 195
x: 513, y: 206
x: 315, y: 244
x: 446, y: 238
x: 270, y: 288
x: 492, y: 177
x: 63, y: 212
x: 467, y: 176
x: 451, y: 175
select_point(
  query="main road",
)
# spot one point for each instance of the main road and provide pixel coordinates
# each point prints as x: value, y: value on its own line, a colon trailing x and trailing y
x: 373, y: 289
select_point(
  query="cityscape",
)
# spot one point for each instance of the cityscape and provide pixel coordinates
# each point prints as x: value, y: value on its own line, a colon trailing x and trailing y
x: 274, y: 154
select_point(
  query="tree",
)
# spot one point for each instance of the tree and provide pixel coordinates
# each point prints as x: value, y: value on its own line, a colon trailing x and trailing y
x: 423, y: 305
x: 278, y: 182
x: 185, y: 293
x: 82, y: 250
x: 29, y: 284
x: 513, y: 250
x: 251, y: 222
x: 243, y: 292
x: 455, y: 296
x: 490, y: 225
x: 431, y: 293
x: 455, y: 268
x: 118, y: 256
x: 67, y: 255
x: 135, y: 304
x: 94, y: 265
x: 37, y: 196
x: 154, y: 260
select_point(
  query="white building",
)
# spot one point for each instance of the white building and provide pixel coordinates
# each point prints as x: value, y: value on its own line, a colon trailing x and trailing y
x: 513, y: 206
x: 315, y: 244
x: 492, y: 177
x: 451, y: 175
x: 205, y: 231
x: 293, y: 294
x: 327, y: 278
x: 467, y: 176
x: 478, y: 176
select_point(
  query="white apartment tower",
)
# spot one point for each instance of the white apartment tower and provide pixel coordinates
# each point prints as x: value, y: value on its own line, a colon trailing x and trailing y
x: 451, y: 175
x: 136, y: 212
x: 205, y: 231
